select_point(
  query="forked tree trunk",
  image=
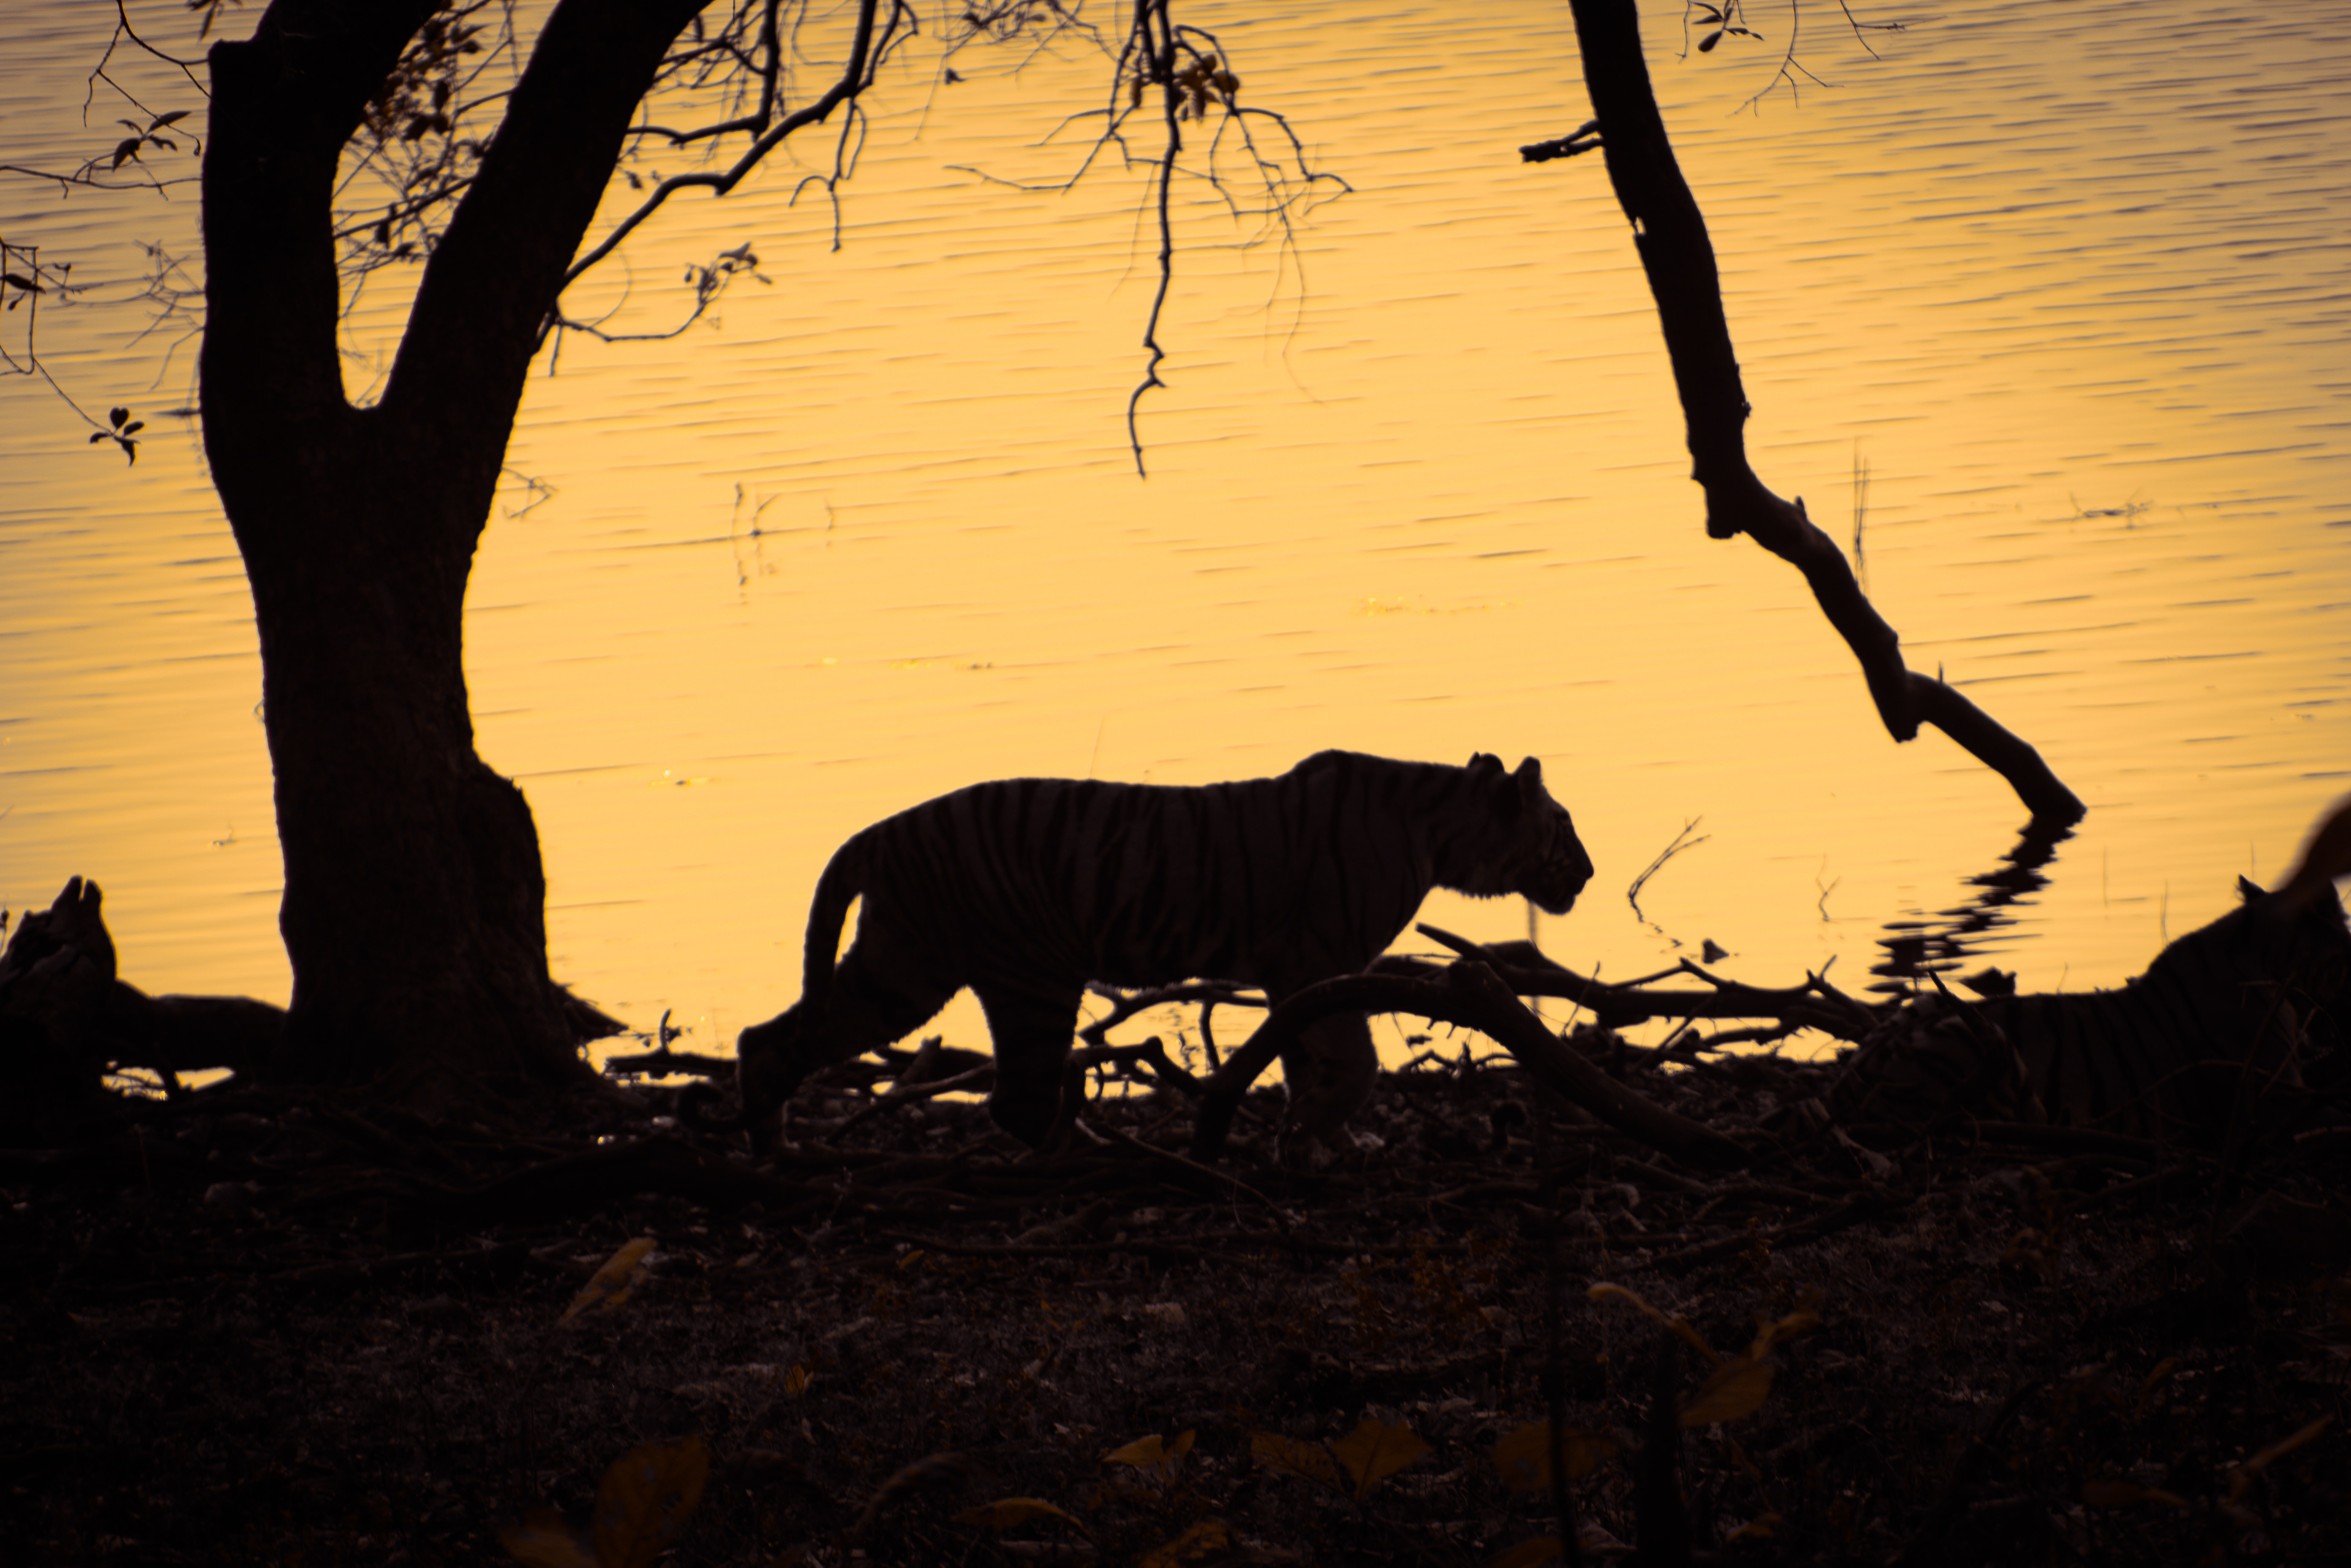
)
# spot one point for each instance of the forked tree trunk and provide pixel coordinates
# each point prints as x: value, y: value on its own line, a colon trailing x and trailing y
x: 413, y: 905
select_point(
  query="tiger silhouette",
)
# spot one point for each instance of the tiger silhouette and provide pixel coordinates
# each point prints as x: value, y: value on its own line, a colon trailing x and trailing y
x: 2237, y: 1011
x: 1025, y: 889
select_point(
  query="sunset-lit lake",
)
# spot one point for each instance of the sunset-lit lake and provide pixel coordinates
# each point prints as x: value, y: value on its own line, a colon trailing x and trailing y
x: 2071, y: 283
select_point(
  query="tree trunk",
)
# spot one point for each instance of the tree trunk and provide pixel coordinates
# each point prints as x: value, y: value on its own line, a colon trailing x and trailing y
x: 413, y: 905
x: 413, y: 898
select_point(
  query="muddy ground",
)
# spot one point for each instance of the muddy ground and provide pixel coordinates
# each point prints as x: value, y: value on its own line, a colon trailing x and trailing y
x: 266, y: 1328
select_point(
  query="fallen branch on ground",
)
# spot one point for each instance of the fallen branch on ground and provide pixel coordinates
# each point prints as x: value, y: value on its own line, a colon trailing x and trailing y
x: 1470, y: 994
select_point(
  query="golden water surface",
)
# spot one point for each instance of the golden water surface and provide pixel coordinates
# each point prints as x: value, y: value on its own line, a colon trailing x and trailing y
x: 2070, y: 282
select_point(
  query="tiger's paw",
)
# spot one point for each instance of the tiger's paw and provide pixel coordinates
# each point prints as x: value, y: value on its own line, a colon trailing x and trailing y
x: 1300, y: 1150
x: 771, y: 1062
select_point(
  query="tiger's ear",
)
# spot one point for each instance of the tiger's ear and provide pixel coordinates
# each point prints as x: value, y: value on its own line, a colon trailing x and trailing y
x: 2249, y: 889
x: 2326, y: 856
x: 1531, y: 773
x: 1483, y: 764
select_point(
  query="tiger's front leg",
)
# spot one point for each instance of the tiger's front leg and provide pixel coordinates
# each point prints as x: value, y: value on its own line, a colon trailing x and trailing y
x: 1029, y: 1024
x: 869, y: 1005
x: 771, y: 1061
x: 1330, y: 1071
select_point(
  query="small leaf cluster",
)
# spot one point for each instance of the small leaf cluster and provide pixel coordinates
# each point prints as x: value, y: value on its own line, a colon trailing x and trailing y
x: 122, y: 428
x: 410, y: 128
x: 127, y: 150
x: 1723, y: 19
x: 1198, y: 84
x: 413, y: 101
x: 1008, y: 19
x: 22, y: 285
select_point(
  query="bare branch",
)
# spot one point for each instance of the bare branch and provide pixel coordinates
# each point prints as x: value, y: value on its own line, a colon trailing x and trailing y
x: 1470, y: 994
x: 123, y: 30
x: 856, y: 75
x: 1531, y: 972
x: 1681, y: 841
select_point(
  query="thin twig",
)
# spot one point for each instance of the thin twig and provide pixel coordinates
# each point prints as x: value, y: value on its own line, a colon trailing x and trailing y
x: 1681, y: 841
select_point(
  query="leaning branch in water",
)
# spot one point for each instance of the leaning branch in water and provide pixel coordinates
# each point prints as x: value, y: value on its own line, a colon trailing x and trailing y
x: 1669, y: 233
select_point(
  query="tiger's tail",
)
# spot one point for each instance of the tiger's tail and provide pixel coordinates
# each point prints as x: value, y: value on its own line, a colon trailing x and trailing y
x: 841, y: 885
x: 2326, y: 856
x: 773, y: 1058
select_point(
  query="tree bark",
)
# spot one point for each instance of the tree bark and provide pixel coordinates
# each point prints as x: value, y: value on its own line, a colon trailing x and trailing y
x: 413, y: 910
x: 1678, y: 259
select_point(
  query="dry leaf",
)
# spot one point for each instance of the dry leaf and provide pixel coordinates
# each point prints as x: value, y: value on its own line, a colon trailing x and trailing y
x: 1524, y: 1455
x: 2124, y: 1494
x: 1005, y: 1512
x: 796, y: 1380
x: 930, y: 1471
x: 2245, y: 1473
x: 1209, y: 1535
x: 1529, y: 1553
x: 1734, y: 1389
x: 1147, y: 1453
x: 2155, y: 1380
x: 1291, y: 1457
x: 1756, y: 1529
x: 1681, y: 1326
x: 1604, y: 1291
x: 610, y: 1284
x: 544, y: 1540
x: 648, y: 1495
x: 1769, y: 1335
x: 1376, y: 1451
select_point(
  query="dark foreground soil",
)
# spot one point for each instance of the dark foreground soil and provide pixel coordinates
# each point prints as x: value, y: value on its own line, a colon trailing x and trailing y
x: 265, y: 1329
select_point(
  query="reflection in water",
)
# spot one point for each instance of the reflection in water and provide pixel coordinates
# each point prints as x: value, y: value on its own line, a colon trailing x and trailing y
x: 1915, y: 949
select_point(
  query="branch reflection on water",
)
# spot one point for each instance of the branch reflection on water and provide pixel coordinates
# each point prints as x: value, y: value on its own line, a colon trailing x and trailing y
x: 1915, y: 949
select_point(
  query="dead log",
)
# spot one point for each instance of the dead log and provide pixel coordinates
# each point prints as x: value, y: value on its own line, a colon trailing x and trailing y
x: 1528, y: 971
x: 1469, y: 995
x: 173, y: 1034
x: 66, y: 1018
x: 56, y: 978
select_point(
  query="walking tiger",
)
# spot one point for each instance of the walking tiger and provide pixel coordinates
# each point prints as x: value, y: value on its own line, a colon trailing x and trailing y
x: 1025, y: 889
x: 2258, y: 1000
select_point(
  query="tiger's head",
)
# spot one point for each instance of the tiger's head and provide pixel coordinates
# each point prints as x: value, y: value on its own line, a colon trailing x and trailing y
x: 2289, y: 948
x: 1524, y: 841
x: 769, y: 1067
x: 2296, y: 935
x: 2302, y: 942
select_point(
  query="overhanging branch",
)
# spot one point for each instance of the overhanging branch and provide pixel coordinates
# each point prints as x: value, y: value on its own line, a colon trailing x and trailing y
x: 1670, y: 235
x: 855, y: 78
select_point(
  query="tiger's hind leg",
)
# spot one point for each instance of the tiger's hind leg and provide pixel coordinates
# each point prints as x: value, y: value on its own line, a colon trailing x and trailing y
x: 881, y: 993
x: 1330, y: 1071
x: 1031, y: 1025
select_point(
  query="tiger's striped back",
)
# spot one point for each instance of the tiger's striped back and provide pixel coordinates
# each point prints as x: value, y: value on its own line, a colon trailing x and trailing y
x: 1275, y: 881
x: 2227, y: 1015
